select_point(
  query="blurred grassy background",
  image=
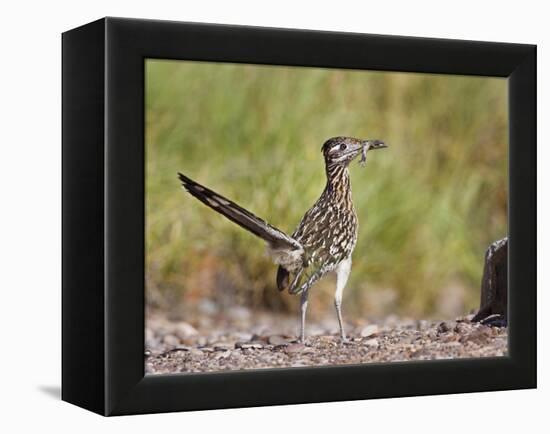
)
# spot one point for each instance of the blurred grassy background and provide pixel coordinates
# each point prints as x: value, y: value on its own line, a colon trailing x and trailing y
x: 428, y: 206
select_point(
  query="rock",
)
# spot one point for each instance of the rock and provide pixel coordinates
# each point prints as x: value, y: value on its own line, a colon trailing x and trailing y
x: 479, y: 336
x: 465, y: 318
x: 236, y: 354
x: 249, y: 345
x: 328, y: 338
x: 222, y: 355
x: 422, y: 324
x: 431, y: 334
x: 371, y: 342
x: 295, y: 348
x: 451, y: 337
x: 180, y: 348
x: 278, y: 340
x: 444, y: 327
x: 147, y: 353
x: 191, y: 341
x: 195, y: 353
x: 369, y: 330
x: 223, y: 346
x: 266, y: 357
x: 238, y: 313
x: 184, y: 330
x: 243, y: 336
x: 408, y: 340
x: 259, y: 338
x: 171, y: 340
x: 462, y: 328
x: 205, y: 322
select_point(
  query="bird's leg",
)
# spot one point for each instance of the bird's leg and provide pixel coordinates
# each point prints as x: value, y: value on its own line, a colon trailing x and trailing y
x: 303, y: 310
x: 342, y: 274
x: 338, y: 306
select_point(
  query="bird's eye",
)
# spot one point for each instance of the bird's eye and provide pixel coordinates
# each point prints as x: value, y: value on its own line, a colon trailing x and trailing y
x: 343, y: 147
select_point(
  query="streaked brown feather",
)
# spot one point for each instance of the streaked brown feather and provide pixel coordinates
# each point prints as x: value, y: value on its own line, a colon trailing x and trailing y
x: 237, y: 214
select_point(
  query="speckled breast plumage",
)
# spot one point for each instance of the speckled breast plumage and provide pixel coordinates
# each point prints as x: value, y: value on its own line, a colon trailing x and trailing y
x: 327, y: 232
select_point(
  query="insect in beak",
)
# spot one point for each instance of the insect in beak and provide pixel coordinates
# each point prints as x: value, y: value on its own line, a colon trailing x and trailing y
x: 364, y: 149
x: 367, y: 145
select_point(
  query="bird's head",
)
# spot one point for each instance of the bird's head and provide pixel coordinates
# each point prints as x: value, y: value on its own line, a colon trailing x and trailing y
x: 342, y: 150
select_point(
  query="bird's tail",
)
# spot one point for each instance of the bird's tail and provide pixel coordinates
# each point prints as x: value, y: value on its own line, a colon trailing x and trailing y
x: 276, y: 238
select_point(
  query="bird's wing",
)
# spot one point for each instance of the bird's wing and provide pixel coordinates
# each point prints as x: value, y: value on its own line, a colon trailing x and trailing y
x: 276, y: 238
x: 318, y: 232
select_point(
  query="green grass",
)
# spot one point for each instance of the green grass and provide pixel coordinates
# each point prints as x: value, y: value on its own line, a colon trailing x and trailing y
x: 428, y: 205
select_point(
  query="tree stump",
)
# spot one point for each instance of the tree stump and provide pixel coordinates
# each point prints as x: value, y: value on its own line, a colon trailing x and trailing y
x: 493, y: 309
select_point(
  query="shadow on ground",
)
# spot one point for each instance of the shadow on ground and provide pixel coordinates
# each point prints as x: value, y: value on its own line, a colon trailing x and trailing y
x: 51, y: 391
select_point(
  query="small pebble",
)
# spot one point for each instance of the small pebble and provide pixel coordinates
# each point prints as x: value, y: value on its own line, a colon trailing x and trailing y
x: 369, y: 330
x: 371, y: 342
x: 171, y: 340
x: 278, y: 340
x: 462, y: 327
x: 249, y: 345
x: 243, y: 336
x: 184, y: 330
x: 195, y: 353
x: 294, y: 348
x: 479, y: 336
x: 223, y: 346
x: 222, y: 355
x: 449, y: 338
x: 444, y: 327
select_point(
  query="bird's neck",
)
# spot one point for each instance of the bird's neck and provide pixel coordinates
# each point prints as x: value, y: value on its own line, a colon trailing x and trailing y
x: 338, y: 182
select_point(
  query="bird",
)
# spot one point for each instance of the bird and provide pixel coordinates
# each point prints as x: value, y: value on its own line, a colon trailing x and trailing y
x: 325, y: 238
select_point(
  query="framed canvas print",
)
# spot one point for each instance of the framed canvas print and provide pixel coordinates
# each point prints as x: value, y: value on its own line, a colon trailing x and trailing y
x: 257, y: 216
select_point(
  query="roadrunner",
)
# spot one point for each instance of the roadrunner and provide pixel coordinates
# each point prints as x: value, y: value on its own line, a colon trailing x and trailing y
x: 325, y: 238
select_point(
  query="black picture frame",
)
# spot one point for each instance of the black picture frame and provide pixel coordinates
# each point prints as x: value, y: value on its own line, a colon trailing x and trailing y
x: 103, y: 215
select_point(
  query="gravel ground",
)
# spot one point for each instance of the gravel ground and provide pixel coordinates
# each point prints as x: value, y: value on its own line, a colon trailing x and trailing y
x: 247, y: 341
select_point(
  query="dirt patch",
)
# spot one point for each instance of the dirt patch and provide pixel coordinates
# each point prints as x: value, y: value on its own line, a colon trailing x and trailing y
x: 176, y: 346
